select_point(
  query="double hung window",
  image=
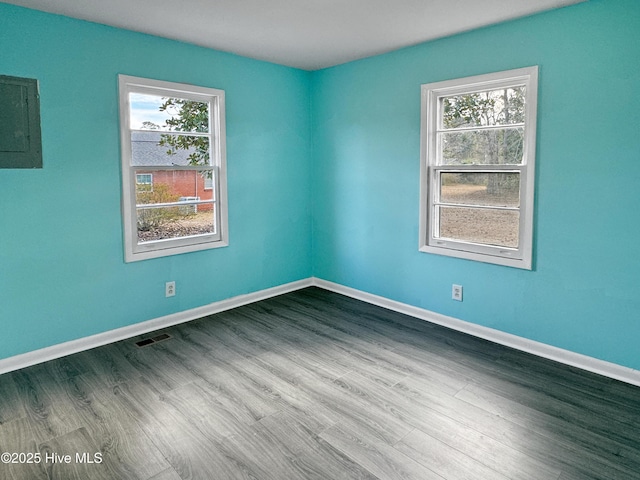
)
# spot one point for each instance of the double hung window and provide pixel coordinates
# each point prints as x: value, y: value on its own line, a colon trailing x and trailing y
x: 477, y: 167
x: 173, y: 168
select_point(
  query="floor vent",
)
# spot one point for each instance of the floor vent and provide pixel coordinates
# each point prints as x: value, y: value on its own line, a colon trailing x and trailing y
x: 152, y: 340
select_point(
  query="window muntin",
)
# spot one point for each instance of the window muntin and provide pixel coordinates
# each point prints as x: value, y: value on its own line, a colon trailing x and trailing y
x: 478, y: 152
x: 175, y: 134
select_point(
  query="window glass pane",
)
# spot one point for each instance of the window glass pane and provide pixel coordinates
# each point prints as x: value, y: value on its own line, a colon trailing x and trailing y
x: 153, y: 112
x: 174, y: 186
x: 504, y: 106
x: 470, y: 188
x: 167, y: 149
x: 161, y: 223
x: 483, y: 147
x: 479, y: 225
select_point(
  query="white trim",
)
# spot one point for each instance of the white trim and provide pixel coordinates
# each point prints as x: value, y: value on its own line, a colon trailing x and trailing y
x: 74, y: 346
x: 584, y: 362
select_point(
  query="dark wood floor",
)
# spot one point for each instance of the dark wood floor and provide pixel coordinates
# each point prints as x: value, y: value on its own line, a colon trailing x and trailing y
x: 316, y: 385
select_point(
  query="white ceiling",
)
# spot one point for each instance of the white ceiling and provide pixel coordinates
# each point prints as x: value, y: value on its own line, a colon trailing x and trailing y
x: 307, y: 34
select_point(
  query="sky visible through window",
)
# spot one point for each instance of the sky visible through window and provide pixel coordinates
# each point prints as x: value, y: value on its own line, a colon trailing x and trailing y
x: 146, y: 108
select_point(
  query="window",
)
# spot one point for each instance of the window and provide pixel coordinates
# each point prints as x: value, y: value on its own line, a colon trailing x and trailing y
x: 173, y: 147
x: 478, y: 139
x: 144, y: 182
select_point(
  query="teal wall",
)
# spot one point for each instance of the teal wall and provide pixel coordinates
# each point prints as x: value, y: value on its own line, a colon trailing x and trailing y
x: 584, y: 292
x: 323, y: 180
x: 62, y: 273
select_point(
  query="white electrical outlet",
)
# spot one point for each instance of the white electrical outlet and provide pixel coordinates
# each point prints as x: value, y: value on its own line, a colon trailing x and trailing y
x: 456, y: 292
x: 169, y: 289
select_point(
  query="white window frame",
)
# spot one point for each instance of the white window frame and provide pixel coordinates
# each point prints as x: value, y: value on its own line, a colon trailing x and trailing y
x: 431, y: 167
x: 133, y: 250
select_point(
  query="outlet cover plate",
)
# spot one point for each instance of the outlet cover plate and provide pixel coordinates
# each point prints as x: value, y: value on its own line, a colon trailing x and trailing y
x: 456, y: 292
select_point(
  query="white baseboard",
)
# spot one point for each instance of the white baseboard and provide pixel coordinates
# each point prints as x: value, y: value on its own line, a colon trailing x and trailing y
x: 566, y: 357
x: 584, y: 362
x: 74, y: 346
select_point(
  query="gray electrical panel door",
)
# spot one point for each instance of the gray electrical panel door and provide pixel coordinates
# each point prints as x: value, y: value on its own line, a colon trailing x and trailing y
x: 20, y: 138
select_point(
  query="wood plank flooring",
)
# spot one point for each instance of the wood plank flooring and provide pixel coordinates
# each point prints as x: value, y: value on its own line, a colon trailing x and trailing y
x: 314, y: 385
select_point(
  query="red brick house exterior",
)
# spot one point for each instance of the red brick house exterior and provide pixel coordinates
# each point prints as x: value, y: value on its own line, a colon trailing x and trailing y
x: 182, y: 184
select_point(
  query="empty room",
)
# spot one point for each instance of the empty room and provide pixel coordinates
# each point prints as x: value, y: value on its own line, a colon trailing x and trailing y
x: 320, y: 240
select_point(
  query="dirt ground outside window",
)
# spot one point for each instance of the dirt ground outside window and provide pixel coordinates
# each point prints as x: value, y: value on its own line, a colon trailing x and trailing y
x: 492, y: 227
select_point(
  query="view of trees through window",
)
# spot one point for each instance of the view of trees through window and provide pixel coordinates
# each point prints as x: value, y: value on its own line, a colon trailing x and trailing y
x: 184, y: 116
x: 483, y: 129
